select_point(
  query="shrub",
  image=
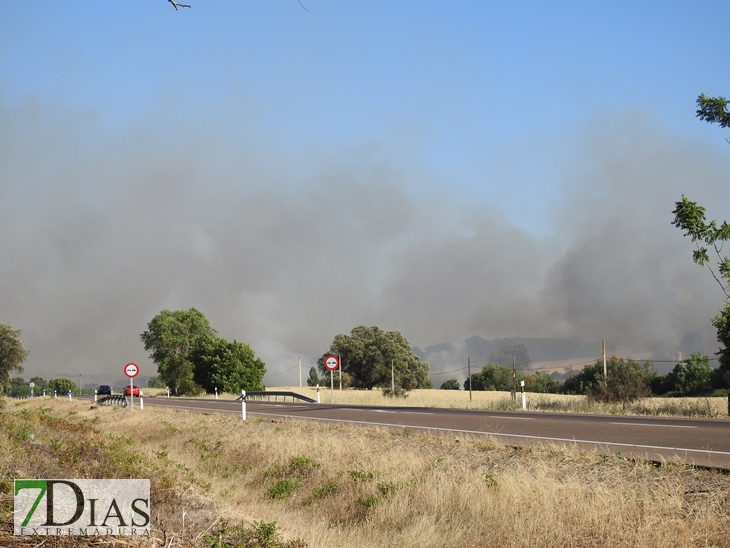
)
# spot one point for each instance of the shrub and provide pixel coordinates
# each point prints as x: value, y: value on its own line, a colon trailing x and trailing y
x: 396, y: 392
x: 283, y: 489
x: 451, y: 384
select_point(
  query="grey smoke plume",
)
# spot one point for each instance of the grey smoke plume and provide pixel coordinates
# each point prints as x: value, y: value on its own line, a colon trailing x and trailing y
x: 284, y: 249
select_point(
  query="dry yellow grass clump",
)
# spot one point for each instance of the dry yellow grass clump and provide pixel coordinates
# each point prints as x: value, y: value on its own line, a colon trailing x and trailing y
x: 682, y: 407
x: 327, y: 485
x: 459, y: 399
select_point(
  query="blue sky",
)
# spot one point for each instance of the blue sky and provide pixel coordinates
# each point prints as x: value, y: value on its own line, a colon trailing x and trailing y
x: 487, y: 109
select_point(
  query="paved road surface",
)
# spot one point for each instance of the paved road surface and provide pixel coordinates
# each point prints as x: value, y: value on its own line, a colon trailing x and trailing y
x: 700, y: 442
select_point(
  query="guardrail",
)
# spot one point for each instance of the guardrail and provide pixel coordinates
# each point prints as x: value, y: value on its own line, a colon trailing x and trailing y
x: 254, y: 396
x: 115, y: 399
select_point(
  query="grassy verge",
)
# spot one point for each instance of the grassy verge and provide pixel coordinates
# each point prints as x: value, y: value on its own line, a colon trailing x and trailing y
x: 218, y: 482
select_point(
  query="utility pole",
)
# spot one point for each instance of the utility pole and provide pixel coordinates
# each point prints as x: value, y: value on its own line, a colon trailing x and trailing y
x: 300, y: 371
x: 392, y: 376
x: 339, y: 359
x: 605, y: 371
x: 468, y: 372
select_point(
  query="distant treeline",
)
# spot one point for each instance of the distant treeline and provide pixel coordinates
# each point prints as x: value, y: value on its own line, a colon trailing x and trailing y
x: 625, y: 380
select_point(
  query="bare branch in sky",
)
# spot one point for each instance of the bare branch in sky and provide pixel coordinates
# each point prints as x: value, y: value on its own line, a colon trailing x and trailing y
x: 176, y: 4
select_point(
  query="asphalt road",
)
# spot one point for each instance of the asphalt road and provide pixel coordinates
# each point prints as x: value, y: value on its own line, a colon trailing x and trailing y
x: 693, y: 441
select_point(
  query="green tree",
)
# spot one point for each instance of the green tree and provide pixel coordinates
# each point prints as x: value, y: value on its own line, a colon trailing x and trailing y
x: 368, y: 354
x: 227, y: 366
x: 61, y: 386
x: 541, y: 383
x: 313, y: 379
x: 12, y: 354
x: 169, y: 339
x: 40, y: 383
x: 19, y: 388
x: 627, y: 381
x: 155, y: 382
x: 492, y: 377
x: 690, y: 218
x: 451, y: 384
x: 692, y: 376
x: 713, y: 110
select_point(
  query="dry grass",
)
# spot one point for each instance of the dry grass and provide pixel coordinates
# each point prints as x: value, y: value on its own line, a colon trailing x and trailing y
x: 561, y: 403
x: 327, y: 485
x: 501, y: 401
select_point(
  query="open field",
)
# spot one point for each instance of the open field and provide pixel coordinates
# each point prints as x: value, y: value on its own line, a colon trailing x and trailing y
x: 327, y: 485
x: 560, y: 403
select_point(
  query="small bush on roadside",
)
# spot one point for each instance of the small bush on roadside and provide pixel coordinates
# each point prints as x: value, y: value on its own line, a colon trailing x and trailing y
x: 283, y: 489
x: 451, y: 384
x: 396, y: 392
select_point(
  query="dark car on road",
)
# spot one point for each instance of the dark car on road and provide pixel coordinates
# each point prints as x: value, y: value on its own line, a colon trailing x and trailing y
x: 104, y: 390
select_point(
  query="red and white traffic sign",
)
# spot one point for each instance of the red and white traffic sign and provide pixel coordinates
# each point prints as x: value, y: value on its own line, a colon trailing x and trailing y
x: 131, y: 370
x: 331, y: 363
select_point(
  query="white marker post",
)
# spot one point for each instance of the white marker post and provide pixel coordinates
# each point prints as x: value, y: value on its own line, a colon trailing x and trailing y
x: 243, y: 405
x: 216, y: 392
x: 95, y: 394
x: 524, y: 403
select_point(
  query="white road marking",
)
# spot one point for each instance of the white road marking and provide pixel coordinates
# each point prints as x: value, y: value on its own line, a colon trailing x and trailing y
x: 415, y: 413
x: 654, y: 425
x: 511, y: 418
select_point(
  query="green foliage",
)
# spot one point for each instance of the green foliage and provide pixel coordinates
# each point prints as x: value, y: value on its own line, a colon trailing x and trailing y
x: 491, y: 377
x: 62, y: 385
x: 491, y: 480
x: 691, y: 377
x: 227, y: 366
x: 360, y: 476
x: 713, y: 110
x: 19, y: 388
x: 262, y: 535
x: 313, y: 379
x: 542, y: 383
x: 722, y: 324
x: 451, y: 384
x: 369, y: 502
x: 396, y: 392
x: 368, y: 354
x: 627, y: 381
x: 266, y: 533
x: 156, y: 382
x: 283, y: 488
x: 690, y: 217
x: 12, y: 354
x: 169, y: 338
x: 325, y: 490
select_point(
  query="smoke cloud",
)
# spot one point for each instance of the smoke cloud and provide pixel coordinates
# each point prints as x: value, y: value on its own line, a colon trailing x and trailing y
x: 284, y: 249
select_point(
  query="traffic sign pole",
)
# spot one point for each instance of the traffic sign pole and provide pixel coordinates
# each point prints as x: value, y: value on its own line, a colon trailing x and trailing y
x: 331, y: 363
x: 131, y: 370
